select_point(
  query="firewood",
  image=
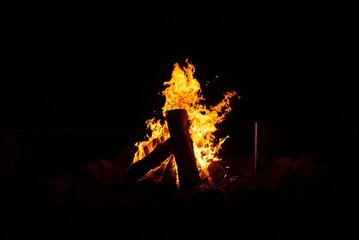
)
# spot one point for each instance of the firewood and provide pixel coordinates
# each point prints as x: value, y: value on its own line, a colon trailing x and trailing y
x: 170, y: 176
x: 137, y: 169
x: 178, y: 126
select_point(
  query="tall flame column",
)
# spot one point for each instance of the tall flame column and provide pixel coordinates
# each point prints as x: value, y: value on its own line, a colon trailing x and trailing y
x: 178, y: 126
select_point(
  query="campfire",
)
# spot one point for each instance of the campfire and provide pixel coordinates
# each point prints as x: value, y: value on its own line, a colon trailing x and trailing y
x: 184, y: 139
x: 178, y: 163
x: 177, y: 178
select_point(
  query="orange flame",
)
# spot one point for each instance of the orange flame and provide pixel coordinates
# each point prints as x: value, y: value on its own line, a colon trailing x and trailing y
x: 183, y: 91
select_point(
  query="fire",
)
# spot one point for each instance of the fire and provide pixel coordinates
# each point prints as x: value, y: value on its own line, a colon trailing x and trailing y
x: 183, y: 91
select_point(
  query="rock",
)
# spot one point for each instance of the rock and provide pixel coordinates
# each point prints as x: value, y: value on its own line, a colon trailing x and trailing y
x: 279, y: 172
x: 92, y: 170
x: 305, y: 164
x: 57, y: 188
x: 284, y: 161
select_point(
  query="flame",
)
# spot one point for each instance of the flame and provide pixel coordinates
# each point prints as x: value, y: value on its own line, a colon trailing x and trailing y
x: 183, y: 91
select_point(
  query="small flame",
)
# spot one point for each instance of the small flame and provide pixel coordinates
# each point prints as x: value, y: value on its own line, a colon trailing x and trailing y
x: 183, y: 91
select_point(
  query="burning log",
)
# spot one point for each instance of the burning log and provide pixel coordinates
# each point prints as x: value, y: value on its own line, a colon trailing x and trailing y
x: 180, y: 144
x: 169, y: 174
x: 137, y: 169
x: 178, y: 126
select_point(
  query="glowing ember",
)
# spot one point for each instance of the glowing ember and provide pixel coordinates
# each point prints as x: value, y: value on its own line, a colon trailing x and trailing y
x: 183, y: 91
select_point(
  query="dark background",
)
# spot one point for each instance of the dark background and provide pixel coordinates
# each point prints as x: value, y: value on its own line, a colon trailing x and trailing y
x: 80, y: 78
x: 97, y: 64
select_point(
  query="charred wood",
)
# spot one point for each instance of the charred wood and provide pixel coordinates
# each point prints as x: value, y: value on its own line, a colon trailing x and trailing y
x: 178, y: 125
x: 137, y: 169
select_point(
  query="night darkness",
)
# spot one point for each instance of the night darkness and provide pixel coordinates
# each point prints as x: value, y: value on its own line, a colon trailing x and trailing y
x: 98, y: 64
x: 80, y: 78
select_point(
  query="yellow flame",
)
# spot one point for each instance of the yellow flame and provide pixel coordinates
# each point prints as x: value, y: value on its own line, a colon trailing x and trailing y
x: 183, y: 91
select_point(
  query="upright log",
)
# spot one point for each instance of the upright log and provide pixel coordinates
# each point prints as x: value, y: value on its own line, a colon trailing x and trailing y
x: 178, y: 126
